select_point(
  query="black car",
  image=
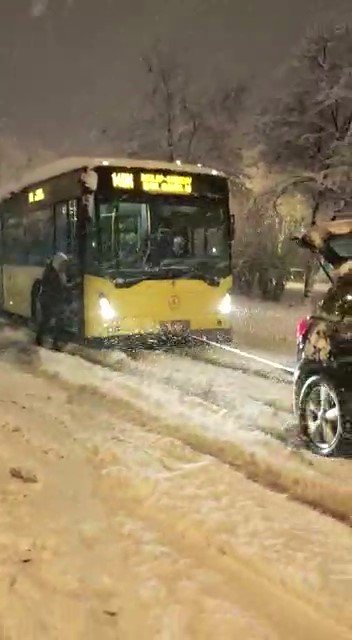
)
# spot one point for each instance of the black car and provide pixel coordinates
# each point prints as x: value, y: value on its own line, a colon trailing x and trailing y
x: 323, y: 377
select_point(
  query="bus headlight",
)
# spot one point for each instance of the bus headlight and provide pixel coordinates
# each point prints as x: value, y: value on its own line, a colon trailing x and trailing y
x: 106, y: 310
x: 225, y: 306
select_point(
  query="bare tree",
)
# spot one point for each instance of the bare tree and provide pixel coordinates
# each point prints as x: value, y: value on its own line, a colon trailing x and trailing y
x: 176, y: 121
x: 306, y: 130
x: 168, y: 113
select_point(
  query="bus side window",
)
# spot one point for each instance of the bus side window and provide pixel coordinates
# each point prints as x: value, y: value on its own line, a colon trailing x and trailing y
x: 72, y: 223
x: 61, y: 227
x: 65, y: 226
x: 39, y: 236
x: 13, y: 240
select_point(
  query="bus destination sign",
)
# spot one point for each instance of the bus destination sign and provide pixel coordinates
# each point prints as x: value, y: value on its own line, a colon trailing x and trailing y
x: 161, y: 183
x: 153, y: 182
x: 122, y: 180
x: 36, y: 196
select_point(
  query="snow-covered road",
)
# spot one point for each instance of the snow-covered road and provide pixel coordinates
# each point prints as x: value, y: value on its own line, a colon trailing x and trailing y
x: 168, y: 504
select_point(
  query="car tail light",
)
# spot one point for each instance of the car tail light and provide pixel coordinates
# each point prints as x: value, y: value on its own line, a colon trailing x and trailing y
x: 302, y: 328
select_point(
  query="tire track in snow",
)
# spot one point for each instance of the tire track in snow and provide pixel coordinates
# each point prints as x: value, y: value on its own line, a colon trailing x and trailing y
x: 211, y: 357
x: 219, y: 405
x: 119, y: 563
x: 183, y: 549
x: 138, y: 363
x: 277, y: 469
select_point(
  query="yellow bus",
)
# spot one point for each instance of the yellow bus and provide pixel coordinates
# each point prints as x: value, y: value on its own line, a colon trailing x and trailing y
x: 149, y: 245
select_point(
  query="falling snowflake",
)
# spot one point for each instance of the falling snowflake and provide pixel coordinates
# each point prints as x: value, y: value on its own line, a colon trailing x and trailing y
x: 39, y: 7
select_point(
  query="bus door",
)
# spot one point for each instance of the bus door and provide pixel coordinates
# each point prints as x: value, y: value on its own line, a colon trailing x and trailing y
x: 65, y: 235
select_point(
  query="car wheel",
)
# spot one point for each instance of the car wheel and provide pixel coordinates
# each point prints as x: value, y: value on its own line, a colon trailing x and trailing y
x: 320, y: 416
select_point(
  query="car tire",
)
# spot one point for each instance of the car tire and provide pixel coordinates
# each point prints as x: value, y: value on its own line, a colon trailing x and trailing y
x: 320, y: 416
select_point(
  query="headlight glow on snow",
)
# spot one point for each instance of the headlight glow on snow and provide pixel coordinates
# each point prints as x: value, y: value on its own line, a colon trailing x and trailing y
x: 106, y: 309
x: 225, y: 305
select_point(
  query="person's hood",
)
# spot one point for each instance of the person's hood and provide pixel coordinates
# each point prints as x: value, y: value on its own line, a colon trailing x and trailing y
x: 332, y: 241
x: 58, y: 261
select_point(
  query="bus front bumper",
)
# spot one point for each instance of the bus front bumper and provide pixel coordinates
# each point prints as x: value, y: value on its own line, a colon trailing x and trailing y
x: 161, y: 339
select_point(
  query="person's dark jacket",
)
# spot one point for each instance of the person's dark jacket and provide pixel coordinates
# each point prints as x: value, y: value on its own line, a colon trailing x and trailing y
x: 53, y: 294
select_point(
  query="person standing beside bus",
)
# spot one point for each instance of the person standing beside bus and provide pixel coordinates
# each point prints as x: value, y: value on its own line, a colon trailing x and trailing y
x: 53, y: 299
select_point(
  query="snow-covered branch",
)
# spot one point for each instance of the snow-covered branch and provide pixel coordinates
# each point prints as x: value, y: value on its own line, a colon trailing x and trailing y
x: 307, y: 127
x: 178, y: 121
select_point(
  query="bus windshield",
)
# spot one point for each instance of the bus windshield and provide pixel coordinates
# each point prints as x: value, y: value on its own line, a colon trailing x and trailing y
x: 165, y: 235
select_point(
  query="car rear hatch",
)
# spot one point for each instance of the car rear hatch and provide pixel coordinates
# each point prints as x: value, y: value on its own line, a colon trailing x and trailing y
x: 331, y: 240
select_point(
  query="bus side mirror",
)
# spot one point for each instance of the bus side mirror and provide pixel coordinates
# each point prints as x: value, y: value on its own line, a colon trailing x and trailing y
x: 89, y: 180
x: 89, y: 183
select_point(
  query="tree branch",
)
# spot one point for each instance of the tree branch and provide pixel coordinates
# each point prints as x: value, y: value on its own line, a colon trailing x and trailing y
x: 334, y: 115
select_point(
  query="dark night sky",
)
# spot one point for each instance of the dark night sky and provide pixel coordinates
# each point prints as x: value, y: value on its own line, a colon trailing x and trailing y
x: 67, y: 66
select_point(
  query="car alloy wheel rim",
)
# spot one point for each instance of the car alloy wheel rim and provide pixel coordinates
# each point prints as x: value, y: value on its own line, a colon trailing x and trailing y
x: 323, y: 417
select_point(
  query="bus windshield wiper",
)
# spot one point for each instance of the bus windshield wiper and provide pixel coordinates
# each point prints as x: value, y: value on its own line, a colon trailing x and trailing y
x: 190, y: 273
x: 206, y: 277
x: 123, y: 282
x: 129, y: 281
x: 169, y: 272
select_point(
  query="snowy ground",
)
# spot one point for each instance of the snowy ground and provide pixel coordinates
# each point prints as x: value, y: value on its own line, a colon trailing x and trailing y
x: 168, y: 501
x: 271, y: 326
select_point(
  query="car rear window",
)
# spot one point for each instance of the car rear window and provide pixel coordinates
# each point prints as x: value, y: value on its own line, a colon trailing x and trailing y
x: 342, y: 246
x: 338, y: 301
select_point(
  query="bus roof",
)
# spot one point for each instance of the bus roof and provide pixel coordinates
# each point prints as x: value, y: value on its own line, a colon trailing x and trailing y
x: 65, y: 165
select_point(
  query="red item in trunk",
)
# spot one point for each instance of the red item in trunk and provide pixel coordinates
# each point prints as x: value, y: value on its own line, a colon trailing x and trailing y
x: 302, y: 327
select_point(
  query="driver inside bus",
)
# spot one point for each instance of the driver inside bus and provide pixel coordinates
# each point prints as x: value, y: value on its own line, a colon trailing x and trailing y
x: 53, y: 298
x: 161, y: 245
x: 180, y: 242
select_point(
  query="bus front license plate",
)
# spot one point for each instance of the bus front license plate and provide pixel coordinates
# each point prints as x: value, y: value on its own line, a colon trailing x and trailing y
x: 176, y: 327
